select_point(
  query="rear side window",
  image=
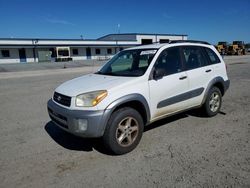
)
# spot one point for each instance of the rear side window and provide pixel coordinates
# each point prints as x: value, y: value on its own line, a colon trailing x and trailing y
x: 193, y: 57
x: 212, y: 57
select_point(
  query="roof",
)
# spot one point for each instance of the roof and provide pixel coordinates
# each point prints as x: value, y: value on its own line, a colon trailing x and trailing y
x: 124, y: 39
x: 150, y: 46
x: 48, y: 39
x: 62, y: 42
x: 132, y: 36
x: 173, y: 43
x: 121, y: 37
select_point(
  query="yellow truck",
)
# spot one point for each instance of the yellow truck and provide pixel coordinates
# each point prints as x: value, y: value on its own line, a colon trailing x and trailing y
x: 222, y: 47
x: 237, y: 48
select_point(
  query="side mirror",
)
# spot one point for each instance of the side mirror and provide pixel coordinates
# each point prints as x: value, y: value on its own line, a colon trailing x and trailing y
x: 158, y: 73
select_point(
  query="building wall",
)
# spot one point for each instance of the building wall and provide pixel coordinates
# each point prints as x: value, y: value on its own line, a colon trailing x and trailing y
x: 81, y: 53
x: 45, y: 44
x: 29, y: 55
x: 157, y: 38
x: 14, y: 53
x: 14, y: 56
x: 103, y: 53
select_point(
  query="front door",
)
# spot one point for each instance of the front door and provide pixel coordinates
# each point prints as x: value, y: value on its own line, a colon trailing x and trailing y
x: 22, y: 55
x: 168, y: 94
x: 88, y: 53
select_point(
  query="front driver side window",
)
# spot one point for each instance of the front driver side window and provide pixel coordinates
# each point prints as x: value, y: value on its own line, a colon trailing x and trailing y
x: 169, y: 61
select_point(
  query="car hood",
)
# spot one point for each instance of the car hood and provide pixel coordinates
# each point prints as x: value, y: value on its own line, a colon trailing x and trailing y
x: 90, y: 82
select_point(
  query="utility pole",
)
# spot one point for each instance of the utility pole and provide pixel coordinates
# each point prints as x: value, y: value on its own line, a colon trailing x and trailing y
x: 118, y: 27
x: 34, y: 42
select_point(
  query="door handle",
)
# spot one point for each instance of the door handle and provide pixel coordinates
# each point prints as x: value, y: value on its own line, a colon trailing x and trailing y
x: 183, y: 77
x: 209, y: 70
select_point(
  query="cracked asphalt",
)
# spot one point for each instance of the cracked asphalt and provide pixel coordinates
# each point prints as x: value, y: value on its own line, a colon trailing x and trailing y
x: 185, y: 150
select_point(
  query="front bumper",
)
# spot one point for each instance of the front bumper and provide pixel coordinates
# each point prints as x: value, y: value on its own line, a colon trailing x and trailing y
x: 70, y: 120
x: 226, y: 85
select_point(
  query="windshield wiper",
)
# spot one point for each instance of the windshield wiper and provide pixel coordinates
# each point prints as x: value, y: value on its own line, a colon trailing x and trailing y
x: 98, y: 72
x: 108, y: 73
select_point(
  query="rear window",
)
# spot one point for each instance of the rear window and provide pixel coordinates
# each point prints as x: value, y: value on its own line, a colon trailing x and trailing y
x: 212, y: 57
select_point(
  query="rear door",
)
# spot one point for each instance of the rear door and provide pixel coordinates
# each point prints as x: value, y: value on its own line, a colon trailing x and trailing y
x: 199, y: 72
x: 214, y: 63
x: 167, y: 94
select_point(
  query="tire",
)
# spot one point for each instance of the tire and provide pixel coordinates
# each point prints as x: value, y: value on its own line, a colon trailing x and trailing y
x: 123, y: 131
x: 213, y: 102
x: 239, y: 52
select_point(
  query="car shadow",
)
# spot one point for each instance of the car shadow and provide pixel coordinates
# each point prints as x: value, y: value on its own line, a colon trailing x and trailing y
x: 165, y: 121
x: 71, y: 142
x: 194, y: 112
x: 198, y: 113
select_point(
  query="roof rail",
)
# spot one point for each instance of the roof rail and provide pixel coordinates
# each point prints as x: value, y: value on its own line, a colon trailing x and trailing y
x: 192, y: 41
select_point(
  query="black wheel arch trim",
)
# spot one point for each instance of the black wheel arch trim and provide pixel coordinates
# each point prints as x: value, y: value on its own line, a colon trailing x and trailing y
x: 217, y: 80
x: 130, y: 98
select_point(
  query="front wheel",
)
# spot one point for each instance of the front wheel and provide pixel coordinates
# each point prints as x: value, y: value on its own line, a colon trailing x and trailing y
x: 124, y: 131
x: 213, y: 102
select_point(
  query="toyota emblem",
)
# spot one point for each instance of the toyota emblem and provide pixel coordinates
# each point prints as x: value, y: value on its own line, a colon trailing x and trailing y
x: 59, y: 98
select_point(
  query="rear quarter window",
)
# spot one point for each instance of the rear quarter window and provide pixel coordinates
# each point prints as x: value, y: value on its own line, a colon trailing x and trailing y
x: 212, y: 57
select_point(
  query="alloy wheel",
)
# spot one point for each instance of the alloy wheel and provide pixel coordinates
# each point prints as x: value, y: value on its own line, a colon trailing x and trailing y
x: 127, y: 131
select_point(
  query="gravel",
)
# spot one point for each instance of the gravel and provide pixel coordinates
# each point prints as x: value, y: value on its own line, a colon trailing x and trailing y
x: 181, y: 151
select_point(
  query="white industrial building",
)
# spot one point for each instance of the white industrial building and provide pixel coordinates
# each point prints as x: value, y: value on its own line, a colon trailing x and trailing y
x: 20, y: 50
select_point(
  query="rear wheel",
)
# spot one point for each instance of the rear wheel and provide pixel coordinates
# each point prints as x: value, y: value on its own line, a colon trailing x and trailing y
x: 213, y: 102
x: 124, y: 131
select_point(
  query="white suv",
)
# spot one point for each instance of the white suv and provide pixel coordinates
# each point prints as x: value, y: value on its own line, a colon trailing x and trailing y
x: 137, y: 87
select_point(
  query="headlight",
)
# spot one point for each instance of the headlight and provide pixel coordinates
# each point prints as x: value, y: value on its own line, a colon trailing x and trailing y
x: 90, y: 99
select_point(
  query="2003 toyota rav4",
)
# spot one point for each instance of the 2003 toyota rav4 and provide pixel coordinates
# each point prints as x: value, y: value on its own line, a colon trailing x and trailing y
x: 137, y: 87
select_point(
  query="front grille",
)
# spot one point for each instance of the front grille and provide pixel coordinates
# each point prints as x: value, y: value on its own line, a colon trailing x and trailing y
x: 62, y: 99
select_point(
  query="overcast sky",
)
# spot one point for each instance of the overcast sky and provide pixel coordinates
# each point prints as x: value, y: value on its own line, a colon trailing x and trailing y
x: 213, y: 20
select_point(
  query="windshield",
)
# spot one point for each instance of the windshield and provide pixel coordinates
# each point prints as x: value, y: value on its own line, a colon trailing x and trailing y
x: 237, y: 42
x: 222, y: 43
x: 129, y: 63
